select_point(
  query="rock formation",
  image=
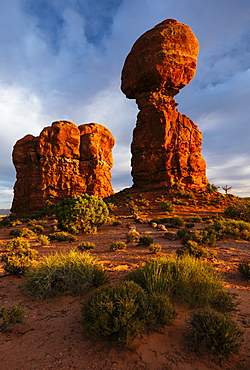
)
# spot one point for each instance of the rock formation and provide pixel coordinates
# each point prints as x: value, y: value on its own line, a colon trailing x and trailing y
x: 65, y: 160
x: 166, y: 147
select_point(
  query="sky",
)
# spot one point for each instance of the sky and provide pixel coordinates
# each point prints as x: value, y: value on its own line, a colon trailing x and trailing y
x: 62, y: 60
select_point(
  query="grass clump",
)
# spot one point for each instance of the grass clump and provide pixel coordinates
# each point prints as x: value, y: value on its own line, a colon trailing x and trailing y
x: 86, y: 246
x: 119, y: 313
x: 186, y: 279
x: 24, y: 233
x: 19, y: 258
x: 194, y: 249
x: 214, y: 331
x: 70, y: 272
x: 244, y: 269
x: 118, y: 245
x: 146, y: 240
x: 10, y: 316
x: 62, y: 236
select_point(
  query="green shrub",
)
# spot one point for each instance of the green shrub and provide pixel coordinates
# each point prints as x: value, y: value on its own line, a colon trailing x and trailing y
x: 11, y: 316
x: 239, y: 210
x: 17, y: 244
x: 85, y: 246
x: 24, y: 233
x: 176, y: 221
x: 9, y: 221
x: 189, y: 225
x: 62, y: 236
x: 155, y: 248
x: 70, y: 272
x: 146, y: 240
x: 215, y: 332
x: 116, y: 246
x: 81, y: 214
x: 244, y: 269
x: 119, y: 313
x: 38, y: 229
x: 194, y: 249
x: 186, y: 279
x: 167, y: 206
x: 19, y: 258
x: 43, y: 240
x: 211, y: 188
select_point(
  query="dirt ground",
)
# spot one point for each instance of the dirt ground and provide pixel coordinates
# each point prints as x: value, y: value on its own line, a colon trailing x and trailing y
x: 53, y: 336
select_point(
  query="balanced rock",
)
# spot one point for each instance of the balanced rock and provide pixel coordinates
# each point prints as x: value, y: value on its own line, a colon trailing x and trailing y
x: 65, y: 160
x: 166, y: 146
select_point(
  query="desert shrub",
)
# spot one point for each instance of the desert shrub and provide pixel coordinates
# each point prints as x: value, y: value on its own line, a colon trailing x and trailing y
x: 70, y: 272
x: 167, y: 206
x: 24, y: 233
x: 119, y: 313
x: 85, y: 246
x: 43, y: 240
x: 186, y: 279
x: 116, y: 223
x: 193, y: 219
x: 189, y: 225
x: 133, y: 236
x: 9, y: 221
x: 229, y: 229
x: 176, y: 221
x: 17, y: 243
x: 194, y: 249
x: 62, y: 236
x: 118, y: 245
x: 83, y: 213
x: 214, y: 331
x: 10, y: 316
x: 159, y: 220
x: 146, y: 240
x: 239, y: 210
x: 155, y: 248
x: 38, y: 229
x: 244, y: 269
x: 19, y: 258
x: 111, y: 206
x: 211, y: 188
x: 132, y: 207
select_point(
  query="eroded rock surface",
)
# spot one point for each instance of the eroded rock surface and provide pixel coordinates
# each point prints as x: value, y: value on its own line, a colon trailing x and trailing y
x: 65, y: 160
x: 166, y: 147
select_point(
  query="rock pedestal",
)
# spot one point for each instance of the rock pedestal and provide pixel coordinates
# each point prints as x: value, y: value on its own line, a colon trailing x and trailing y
x: 65, y: 160
x: 166, y: 146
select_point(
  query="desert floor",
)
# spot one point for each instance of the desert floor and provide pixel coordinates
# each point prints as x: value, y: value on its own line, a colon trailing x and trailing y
x: 53, y: 335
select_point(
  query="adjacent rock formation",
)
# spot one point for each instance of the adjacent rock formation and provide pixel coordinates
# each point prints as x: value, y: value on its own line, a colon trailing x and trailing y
x: 166, y: 147
x: 65, y: 160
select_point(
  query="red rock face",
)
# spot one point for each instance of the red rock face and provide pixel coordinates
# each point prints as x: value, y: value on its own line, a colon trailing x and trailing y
x: 65, y: 160
x: 166, y: 147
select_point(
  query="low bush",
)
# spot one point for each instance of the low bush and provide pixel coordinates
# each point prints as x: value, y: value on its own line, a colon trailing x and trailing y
x: 240, y: 210
x: 118, y: 245
x: 194, y: 249
x: 10, y: 316
x: 119, y: 313
x: 37, y: 229
x: 244, y: 269
x: 24, y: 233
x: 19, y: 258
x: 186, y: 279
x: 81, y: 213
x: 70, y: 272
x: 167, y: 206
x: 43, y: 240
x: 146, y: 240
x: 85, y: 246
x: 155, y: 248
x: 215, y: 332
x: 62, y: 236
x: 176, y: 221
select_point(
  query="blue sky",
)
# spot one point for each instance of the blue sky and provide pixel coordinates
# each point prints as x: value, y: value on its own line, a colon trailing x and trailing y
x: 62, y: 59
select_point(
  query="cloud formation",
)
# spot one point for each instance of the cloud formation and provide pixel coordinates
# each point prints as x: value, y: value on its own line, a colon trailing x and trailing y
x: 63, y: 59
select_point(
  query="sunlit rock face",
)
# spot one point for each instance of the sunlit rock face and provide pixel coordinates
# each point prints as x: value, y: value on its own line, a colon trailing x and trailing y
x: 64, y: 160
x: 166, y: 146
